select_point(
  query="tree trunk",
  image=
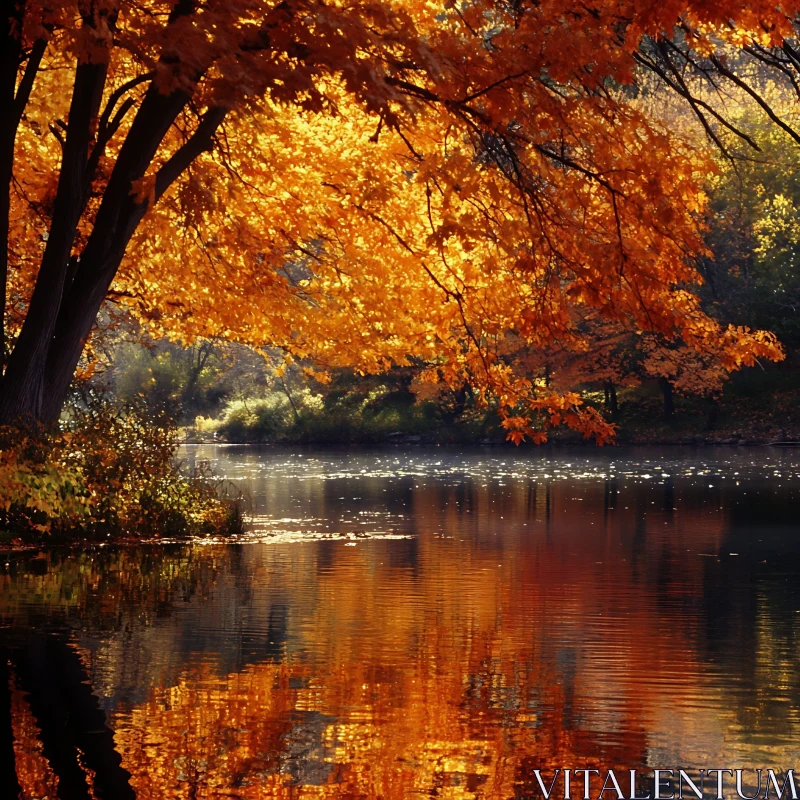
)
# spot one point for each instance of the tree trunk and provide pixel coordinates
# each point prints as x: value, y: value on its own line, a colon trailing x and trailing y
x: 291, y: 400
x: 70, y: 290
x: 24, y: 380
x: 611, y: 399
x: 9, y: 64
x: 203, y: 354
x: 9, y: 784
x: 6, y: 170
x: 669, y: 401
x: 117, y: 220
x: 13, y: 100
x: 713, y: 414
x: 460, y: 403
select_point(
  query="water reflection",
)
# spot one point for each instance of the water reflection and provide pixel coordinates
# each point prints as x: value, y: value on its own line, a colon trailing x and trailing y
x: 463, y: 621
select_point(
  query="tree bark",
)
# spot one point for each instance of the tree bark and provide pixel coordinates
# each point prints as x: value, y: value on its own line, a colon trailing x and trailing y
x: 70, y: 289
x: 713, y: 414
x: 116, y: 222
x: 669, y: 400
x: 65, y: 300
x: 611, y: 399
x: 10, y: 47
x: 13, y: 101
x: 23, y: 382
x: 203, y: 354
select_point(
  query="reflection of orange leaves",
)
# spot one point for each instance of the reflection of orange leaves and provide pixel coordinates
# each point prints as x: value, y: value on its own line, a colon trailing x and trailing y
x: 377, y: 697
x: 34, y: 772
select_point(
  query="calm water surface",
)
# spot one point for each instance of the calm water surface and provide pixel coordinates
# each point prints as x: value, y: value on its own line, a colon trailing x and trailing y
x: 425, y: 623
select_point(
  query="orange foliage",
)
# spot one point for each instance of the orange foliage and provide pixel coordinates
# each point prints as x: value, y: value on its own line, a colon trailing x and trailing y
x: 373, y: 181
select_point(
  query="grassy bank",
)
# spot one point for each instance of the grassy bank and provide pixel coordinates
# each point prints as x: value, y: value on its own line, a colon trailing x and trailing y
x: 755, y: 408
x: 371, y: 418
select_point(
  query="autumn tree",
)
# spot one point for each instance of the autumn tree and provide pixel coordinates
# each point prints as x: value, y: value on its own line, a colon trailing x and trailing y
x: 355, y: 182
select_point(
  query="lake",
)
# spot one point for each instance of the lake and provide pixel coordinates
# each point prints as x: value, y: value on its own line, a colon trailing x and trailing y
x: 419, y: 623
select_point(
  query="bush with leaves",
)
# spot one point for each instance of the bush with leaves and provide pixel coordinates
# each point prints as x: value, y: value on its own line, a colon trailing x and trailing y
x: 106, y: 471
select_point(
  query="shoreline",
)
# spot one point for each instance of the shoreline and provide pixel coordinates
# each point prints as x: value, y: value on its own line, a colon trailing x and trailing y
x: 422, y: 441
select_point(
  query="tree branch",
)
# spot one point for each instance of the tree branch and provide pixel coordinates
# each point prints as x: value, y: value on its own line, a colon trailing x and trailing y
x: 731, y: 76
x: 200, y: 141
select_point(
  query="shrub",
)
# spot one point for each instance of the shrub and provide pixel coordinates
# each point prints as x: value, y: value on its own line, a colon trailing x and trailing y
x: 261, y: 420
x: 344, y: 417
x: 107, y: 471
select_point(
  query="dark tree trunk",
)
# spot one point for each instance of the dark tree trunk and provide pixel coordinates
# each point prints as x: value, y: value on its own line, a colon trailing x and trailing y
x: 69, y: 291
x: 9, y: 784
x: 203, y: 354
x: 669, y: 400
x: 9, y: 62
x: 71, y: 722
x: 24, y: 380
x: 713, y: 414
x: 460, y: 404
x: 116, y: 222
x: 611, y: 399
x: 13, y: 100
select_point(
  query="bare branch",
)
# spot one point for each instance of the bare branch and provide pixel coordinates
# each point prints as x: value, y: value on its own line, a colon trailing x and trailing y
x: 756, y: 96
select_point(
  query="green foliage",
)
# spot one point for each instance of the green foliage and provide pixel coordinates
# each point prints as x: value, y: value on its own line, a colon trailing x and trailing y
x: 107, y: 471
x: 754, y: 233
x: 34, y: 490
x: 353, y: 409
x: 183, y: 381
x: 261, y: 419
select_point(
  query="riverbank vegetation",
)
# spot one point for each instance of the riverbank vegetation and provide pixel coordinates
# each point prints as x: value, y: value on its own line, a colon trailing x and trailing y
x: 107, y: 471
x: 755, y: 407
